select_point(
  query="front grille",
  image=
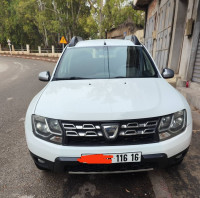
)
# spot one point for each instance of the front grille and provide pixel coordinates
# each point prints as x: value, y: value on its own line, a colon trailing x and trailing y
x: 130, y: 132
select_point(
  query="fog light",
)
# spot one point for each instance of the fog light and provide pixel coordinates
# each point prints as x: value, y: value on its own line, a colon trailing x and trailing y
x: 179, y: 156
x: 56, y: 139
x: 41, y: 161
x: 164, y: 135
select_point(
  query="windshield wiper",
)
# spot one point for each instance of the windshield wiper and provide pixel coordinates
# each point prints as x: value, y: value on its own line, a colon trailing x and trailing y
x: 71, y: 78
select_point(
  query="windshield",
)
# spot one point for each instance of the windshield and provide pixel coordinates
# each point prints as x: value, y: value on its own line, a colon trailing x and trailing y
x: 105, y: 62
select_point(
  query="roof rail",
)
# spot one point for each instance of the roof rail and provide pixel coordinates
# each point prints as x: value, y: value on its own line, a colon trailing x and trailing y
x: 133, y: 38
x: 75, y: 40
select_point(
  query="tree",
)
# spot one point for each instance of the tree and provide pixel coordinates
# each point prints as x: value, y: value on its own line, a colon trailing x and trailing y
x: 43, y: 22
x: 96, y: 7
x: 117, y: 12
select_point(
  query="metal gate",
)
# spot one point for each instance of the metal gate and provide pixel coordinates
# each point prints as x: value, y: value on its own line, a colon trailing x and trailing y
x: 163, y: 28
x: 150, y: 27
x: 165, y: 22
x: 196, y: 72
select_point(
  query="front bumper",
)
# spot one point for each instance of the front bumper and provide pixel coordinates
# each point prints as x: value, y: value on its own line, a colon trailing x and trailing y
x: 71, y: 165
x: 51, y: 152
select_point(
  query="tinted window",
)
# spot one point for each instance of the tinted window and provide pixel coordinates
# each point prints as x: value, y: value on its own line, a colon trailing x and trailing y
x: 105, y: 62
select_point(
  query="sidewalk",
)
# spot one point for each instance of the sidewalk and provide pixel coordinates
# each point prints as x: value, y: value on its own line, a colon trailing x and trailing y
x: 33, y: 56
x: 192, y: 94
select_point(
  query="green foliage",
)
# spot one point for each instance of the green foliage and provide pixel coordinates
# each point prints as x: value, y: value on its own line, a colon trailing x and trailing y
x: 43, y: 22
x: 116, y: 12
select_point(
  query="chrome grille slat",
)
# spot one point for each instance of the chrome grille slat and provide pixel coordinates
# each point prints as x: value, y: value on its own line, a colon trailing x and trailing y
x: 88, y: 126
x: 139, y: 132
x: 71, y: 133
x: 91, y: 133
x: 149, y: 131
x: 69, y: 126
x: 152, y: 123
x: 100, y: 133
x: 132, y: 125
x: 130, y: 132
x: 84, y: 134
x: 138, y: 125
x: 85, y: 131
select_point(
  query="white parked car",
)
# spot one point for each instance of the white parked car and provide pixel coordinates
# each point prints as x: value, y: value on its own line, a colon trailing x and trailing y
x: 107, y: 109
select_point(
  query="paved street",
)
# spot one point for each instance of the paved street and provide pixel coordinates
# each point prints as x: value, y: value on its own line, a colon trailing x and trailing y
x: 20, y: 178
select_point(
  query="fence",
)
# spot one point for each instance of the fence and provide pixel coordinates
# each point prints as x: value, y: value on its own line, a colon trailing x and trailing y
x: 50, y: 52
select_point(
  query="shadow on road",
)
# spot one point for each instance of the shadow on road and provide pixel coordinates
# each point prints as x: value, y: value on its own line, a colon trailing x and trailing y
x: 111, y: 185
x: 184, y: 180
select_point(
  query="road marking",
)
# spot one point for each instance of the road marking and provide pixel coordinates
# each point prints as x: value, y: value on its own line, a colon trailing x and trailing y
x: 160, y: 187
x: 8, y: 99
x: 20, y: 64
x: 17, y: 63
x: 21, y: 119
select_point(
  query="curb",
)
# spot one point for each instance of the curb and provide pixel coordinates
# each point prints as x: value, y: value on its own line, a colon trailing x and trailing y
x: 31, y: 57
x: 159, y: 185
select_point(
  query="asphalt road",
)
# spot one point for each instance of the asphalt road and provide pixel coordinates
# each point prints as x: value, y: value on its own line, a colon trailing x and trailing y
x: 20, y: 178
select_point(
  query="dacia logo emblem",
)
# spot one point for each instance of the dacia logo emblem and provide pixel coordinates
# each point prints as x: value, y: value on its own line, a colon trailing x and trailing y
x: 110, y: 130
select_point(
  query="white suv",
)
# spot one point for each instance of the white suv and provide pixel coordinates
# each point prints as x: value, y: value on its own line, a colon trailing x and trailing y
x: 106, y: 109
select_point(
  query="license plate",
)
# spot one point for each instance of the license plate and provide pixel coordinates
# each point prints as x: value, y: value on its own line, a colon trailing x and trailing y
x: 110, y: 158
x: 126, y: 157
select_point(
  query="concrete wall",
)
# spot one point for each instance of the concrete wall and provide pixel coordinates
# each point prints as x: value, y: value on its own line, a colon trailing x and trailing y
x: 159, y: 27
x: 140, y: 35
x: 187, y: 43
x: 152, y: 8
x: 181, y: 48
x: 196, y: 37
x: 178, y: 34
x: 55, y: 55
x: 186, y: 52
x: 118, y: 33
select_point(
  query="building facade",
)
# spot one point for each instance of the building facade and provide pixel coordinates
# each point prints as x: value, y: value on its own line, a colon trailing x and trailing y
x: 125, y: 29
x: 172, y: 35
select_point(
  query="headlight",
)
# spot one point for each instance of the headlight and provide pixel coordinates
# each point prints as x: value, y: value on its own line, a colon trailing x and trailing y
x: 47, y: 129
x: 172, y: 125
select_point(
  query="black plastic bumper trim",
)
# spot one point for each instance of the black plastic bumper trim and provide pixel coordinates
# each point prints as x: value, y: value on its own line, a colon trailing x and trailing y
x: 70, y: 164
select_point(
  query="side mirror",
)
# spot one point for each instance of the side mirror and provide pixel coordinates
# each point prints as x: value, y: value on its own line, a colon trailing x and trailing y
x: 167, y: 73
x: 44, y: 76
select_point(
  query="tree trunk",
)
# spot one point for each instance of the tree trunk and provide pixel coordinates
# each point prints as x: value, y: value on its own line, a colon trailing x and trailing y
x: 45, y: 36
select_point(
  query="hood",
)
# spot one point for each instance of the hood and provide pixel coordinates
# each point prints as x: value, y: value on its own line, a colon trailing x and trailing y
x: 108, y: 99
